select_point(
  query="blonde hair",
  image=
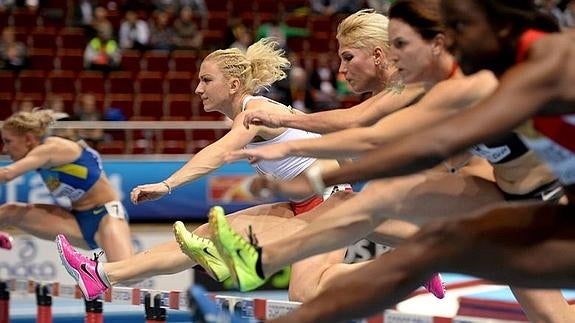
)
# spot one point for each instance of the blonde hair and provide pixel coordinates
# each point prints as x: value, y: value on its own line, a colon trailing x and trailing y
x: 365, y: 29
x: 260, y: 66
x: 36, y: 122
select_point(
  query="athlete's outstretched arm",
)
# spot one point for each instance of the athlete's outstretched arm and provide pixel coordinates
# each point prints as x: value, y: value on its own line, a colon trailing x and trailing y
x: 442, y: 101
x: 371, y: 288
x: 39, y: 156
x: 528, y: 244
x: 363, y: 114
x: 205, y: 161
x: 523, y: 90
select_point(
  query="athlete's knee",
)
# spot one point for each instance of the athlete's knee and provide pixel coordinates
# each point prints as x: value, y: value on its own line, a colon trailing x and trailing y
x: 299, y: 293
x: 110, y: 226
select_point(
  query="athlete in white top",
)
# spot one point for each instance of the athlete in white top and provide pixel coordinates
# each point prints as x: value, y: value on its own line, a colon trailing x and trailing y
x: 228, y: 78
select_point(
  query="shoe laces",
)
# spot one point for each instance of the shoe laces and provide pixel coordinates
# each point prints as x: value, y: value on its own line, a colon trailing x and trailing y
x: 252, y: 236
x: 97, y: 255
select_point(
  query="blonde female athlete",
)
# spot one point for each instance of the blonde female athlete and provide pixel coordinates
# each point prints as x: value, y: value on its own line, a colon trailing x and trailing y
x: 70, y: 170
x: 228, y: 81
x: 519, y: 174
x: 527, y: 244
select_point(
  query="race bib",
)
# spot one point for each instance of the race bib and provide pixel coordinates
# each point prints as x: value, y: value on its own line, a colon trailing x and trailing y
x: 116, y: 209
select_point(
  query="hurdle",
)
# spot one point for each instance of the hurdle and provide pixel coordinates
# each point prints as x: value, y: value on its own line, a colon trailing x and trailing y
x: 155, y: 303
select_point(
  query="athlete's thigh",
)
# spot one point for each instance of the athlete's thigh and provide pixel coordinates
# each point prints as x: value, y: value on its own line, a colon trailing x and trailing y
x: 46, y: 221
x: 267, y: 221
x: 274, y: 221
x: 422, y: 197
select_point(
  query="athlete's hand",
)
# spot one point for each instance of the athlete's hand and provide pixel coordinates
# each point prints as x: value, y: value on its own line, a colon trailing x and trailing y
x: 262, y: 118
x: 148, y: 192
x: 253, y: 155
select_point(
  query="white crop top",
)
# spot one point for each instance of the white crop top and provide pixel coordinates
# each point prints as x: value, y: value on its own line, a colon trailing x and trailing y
x: 286, y: 168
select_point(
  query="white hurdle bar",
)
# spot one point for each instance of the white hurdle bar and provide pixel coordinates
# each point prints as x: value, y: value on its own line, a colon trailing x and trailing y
x: 258, y: 309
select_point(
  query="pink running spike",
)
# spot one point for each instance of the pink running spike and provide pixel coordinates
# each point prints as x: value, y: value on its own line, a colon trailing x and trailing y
x: 5, y: 240
x: 436, y: 286
x: 81, y: 268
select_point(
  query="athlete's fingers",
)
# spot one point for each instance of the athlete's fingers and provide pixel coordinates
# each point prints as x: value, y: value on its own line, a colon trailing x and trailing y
x: 134, y: 196
x: 253, y: 159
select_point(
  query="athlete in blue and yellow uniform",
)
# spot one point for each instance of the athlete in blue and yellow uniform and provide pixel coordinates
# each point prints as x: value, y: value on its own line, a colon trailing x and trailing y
x: 70, y: 170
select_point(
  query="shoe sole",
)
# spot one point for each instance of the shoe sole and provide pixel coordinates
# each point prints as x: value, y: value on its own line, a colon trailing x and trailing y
x: 180, y: 232
x: 6, y: 242
x: 214, y: 225
x: 73, y: 272
x: 443, y: 288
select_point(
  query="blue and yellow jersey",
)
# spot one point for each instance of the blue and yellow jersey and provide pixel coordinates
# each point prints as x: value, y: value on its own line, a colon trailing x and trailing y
x: 73, y: 180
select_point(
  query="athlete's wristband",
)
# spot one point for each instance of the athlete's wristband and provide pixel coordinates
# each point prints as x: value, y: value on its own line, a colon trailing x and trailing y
x: 313, y: 175
x: 168, y: 186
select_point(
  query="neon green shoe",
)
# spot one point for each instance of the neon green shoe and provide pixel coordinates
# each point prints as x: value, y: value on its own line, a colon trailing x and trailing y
x: 240, y: 255
x: 201, y: 250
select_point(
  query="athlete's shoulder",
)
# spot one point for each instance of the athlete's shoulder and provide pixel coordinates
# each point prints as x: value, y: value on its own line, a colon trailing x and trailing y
x: 555, y: 48
x: 56, y: 141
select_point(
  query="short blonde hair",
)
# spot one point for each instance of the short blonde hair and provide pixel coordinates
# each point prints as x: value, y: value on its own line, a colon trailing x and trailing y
x: 260, y: 66
x: 36, y: 122
x: 365, y: 29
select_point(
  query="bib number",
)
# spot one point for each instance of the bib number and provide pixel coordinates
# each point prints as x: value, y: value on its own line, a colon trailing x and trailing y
x: 116, y: 210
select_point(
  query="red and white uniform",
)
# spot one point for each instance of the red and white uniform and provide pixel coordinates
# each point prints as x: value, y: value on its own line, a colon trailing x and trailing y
x: 289, y: 167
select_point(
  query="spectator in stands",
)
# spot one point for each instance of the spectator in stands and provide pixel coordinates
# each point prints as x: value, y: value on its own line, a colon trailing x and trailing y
x: 6, y: 5
x: 169, y: 6
x: 25, y: 105
x: 299, y: 90
x: 174, y: 6
x: 198, y: 6
x: 83, y: 14
x: 29, y: 4
x: 323, y: 83
x: 280, y: 31
x: 87, y: 110
x: 381, y: 6
x: 187, y: 33
x: 100, y: 23
x: 13, y: 53
x: 243, y: 37
x: 162, y: 34
x: 68, y: 133
x: 332, y: 7
x: 569, y: 14
x: 102, y: 53
x: 134, y: 32
x: 56, y: 104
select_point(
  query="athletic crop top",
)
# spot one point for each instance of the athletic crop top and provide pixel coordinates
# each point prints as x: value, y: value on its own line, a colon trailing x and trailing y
x: 554, y: 137
x: 73, y: 180
x: 286, y: 168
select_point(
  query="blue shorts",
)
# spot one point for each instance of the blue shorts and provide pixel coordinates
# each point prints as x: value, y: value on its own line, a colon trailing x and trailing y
x: 89, y: 221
